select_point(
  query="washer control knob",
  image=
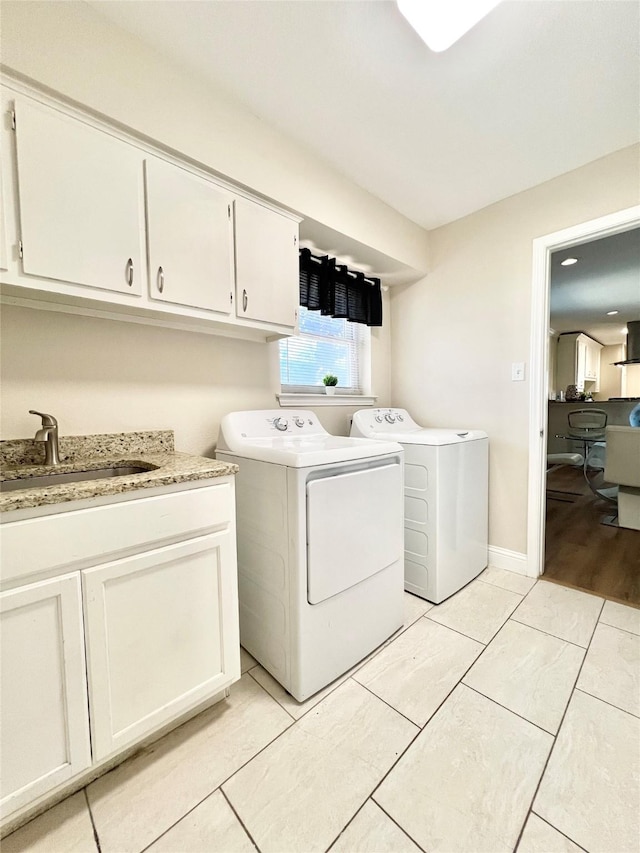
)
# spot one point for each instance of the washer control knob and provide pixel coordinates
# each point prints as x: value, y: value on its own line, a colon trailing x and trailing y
x: 280, y: 424
x: 379, y: 418
x: 299, y: 422
x: 389, y: 418
x: 399, y: 418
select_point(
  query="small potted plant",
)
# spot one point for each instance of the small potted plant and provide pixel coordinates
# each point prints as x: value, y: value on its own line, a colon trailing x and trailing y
x: 330, y: 382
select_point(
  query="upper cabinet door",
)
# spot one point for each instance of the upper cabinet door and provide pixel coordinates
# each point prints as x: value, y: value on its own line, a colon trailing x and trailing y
x: 267, y: 268
x: 190, y: 235
x: 81, y: 202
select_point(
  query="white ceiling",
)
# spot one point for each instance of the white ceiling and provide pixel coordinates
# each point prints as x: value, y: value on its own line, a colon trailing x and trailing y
x: 606, y: 278
x: 538, y: 88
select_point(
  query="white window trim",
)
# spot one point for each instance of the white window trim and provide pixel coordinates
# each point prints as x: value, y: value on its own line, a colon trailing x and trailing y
x: 319, y: 398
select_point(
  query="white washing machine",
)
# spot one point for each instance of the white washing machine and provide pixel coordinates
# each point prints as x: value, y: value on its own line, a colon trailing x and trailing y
x: 446, y: 500
x: 320, y: 544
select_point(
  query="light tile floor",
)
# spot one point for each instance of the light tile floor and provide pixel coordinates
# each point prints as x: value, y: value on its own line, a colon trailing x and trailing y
x: 504, y: 719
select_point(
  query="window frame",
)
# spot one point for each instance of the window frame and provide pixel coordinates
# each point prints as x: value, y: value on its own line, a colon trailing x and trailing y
x: 294, y: 395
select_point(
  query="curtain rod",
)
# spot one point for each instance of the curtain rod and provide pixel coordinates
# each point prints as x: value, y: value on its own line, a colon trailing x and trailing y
x: 320, y: 258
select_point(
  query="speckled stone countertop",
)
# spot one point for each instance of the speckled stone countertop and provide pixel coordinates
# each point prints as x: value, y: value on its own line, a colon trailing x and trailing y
x: 23, y: 458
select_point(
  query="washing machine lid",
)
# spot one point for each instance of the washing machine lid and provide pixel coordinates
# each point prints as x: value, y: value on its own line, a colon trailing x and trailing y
x: 398, y: 425
x: 295, y: 439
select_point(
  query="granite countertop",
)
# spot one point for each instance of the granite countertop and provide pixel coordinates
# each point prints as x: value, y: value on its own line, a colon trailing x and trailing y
x: 20, y: 458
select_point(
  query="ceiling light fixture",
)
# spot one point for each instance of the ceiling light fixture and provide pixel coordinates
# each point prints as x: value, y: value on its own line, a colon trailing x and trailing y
x: 440, y: 23
x: 568, y: 262
x: 611, y: 313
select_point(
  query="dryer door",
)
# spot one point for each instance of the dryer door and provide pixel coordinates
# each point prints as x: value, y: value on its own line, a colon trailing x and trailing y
x: 354, y: 528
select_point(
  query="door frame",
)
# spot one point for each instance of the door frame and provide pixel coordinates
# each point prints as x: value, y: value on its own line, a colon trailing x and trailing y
x: 604, y: 226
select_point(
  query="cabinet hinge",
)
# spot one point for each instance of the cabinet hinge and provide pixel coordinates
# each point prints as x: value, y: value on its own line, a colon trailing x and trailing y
x: 229, y: 211
x: 20, y: 249
x: 295, y: 240
x: 13, y: 119
x: 231, y: 297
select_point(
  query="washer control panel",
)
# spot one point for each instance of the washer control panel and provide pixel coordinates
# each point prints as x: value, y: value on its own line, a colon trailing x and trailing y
x: 380, y: 420
x: 272, y: 423
x: 295, y: 425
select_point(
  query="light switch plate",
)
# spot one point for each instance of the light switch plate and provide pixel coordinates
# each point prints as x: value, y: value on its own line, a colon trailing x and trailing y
x: 517, y: 371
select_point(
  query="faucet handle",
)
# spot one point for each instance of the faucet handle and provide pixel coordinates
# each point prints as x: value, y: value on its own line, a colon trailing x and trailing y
x: 47, y: 420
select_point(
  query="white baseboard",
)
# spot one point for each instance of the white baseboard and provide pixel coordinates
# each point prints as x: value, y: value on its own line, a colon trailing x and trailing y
x: 512, y: 561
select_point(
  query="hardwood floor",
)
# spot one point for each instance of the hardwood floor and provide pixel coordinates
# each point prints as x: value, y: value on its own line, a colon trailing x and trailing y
x: 580, y: 551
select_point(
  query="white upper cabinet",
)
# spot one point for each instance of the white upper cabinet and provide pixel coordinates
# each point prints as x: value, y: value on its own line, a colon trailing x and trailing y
x: 578, y: 362
x: 190, y: 238
x: 101, y: 222
x: 267, y: 274
x: 80, y: 201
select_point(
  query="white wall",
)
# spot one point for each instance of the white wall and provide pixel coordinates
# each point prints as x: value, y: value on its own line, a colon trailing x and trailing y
x: 456, y: 332
x: 105, y: 376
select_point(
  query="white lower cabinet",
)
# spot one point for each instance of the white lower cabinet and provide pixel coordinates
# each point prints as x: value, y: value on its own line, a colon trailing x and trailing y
x: 45, y: 719
x: 155, y: 637
x: 143, y: 630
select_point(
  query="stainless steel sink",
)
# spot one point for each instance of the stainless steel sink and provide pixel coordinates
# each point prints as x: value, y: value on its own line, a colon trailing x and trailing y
x: 71, y: 477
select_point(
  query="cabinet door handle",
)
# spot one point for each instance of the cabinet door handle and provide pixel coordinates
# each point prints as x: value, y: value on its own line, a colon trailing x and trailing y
x: 160, y: 279
x: 129, y: 272
x: 245, y: 300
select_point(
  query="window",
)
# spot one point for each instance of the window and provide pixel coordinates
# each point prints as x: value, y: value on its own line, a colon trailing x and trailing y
x: 324, y: 345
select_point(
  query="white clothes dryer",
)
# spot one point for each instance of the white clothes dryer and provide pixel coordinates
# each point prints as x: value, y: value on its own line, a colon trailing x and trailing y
x: 320, y: 544
x: 446, y: 500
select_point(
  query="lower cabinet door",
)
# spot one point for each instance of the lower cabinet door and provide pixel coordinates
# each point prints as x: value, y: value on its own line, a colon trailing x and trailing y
x: 45, y: 718
x: 162, y: 636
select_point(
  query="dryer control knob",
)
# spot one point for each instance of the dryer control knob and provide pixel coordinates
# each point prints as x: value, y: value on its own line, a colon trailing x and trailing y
x: 280, y: 425
x: 379, y: 418
x: 399, y: 417
x: 389, y: 418
x: 299, y: 422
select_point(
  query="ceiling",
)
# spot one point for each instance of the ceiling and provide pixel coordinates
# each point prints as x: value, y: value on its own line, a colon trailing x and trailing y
x: 606, y: 278
x: 536, y: 89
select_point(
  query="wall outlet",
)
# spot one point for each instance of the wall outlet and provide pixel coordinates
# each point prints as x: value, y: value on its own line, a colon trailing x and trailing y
x: 517, y: 371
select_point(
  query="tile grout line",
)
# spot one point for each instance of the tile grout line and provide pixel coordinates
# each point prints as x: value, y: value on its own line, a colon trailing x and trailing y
x: 610, y: 704
x: 240, y: 821
x: 384, y: 701
x: 279, y: 704
x: 509, y: 710
x: 555, y: 737
x: 555, y: 636
x: 618, y: 628
x: 93, y: 823
x: 455, y: 630
x: 555, y: 828
x: 378, y: 806
x: 419, y: 846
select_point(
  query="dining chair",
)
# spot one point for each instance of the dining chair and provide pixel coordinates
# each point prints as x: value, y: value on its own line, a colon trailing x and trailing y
x: 587, y: 423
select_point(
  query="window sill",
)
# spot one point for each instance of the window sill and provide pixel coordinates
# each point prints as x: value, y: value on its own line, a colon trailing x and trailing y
x: 298, y: 400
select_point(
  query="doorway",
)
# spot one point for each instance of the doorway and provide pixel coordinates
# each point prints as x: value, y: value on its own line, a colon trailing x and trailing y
x: 569, y: 516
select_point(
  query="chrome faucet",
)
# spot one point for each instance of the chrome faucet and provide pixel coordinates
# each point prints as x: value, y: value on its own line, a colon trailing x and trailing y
x: 48, y: 435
